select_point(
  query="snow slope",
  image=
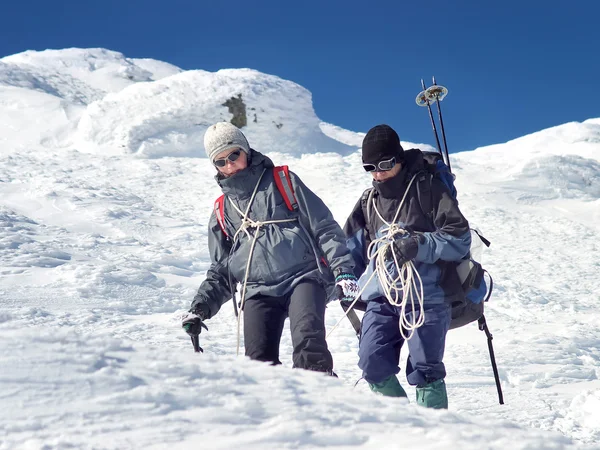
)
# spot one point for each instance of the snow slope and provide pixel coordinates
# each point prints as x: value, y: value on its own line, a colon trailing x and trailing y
x: 104, y: 204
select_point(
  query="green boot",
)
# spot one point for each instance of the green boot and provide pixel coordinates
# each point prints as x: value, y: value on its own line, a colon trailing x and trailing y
x: 433, y: 395
x: 390, y: 387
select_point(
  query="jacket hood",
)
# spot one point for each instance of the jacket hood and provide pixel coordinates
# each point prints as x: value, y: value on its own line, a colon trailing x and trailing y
x: 242, y: 184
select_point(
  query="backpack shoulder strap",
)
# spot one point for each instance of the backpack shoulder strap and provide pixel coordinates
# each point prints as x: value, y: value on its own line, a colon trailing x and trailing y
x: 424, y: 193
x: 220, y: 213
x: 366, y: 203
x: 284, y: 184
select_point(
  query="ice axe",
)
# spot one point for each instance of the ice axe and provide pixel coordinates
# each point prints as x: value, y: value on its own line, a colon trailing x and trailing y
x: 193, y: 324
x: 196, y: 344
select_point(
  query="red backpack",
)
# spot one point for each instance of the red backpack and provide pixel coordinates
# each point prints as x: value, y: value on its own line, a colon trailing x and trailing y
x: 284, y: 185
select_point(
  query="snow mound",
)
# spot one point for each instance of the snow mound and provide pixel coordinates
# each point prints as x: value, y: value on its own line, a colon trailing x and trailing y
x: 169, y: 117
x: 567, y: 176
x: 561, y: 162
x: 573, y: 138
x: 100, y: 101
x: 583, y: 417
x: 79, y: 76
x: 43, y: 94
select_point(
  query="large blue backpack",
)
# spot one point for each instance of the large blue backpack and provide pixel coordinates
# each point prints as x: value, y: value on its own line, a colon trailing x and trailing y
x: 477, y: 290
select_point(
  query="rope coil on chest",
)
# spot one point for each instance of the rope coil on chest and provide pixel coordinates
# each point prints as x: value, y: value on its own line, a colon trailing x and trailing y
x: 401, y: 283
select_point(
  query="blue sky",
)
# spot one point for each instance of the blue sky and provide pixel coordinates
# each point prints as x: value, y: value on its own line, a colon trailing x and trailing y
x: 512, y: 67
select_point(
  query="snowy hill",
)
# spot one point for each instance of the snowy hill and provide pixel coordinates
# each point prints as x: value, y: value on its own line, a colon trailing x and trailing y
x: 43, y: 94
x: 79, y: 75
x: 100, y: 101
x: 170, y: 116
x: 105, y: 195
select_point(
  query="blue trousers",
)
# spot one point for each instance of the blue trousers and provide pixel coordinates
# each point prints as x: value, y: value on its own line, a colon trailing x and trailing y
x: 381, y: 341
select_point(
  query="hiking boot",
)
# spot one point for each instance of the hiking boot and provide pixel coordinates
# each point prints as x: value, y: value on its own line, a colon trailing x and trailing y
x: 390, y: 387
x: 433, y: 395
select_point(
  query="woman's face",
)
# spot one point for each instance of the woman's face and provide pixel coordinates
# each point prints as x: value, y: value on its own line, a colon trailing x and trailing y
x: 231, y: 161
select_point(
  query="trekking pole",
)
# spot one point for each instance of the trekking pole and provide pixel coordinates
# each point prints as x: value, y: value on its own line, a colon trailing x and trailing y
x: 435, y: 90
x: 483, y: 327
x: 423, y: 100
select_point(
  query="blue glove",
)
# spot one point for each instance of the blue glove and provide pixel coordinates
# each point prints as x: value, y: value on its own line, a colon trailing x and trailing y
x: 346, y: 287
x: 404, y: 247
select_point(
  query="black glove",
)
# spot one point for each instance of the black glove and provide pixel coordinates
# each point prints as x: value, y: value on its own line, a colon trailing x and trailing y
x: 404, y: 247
x: 346, y: 287
x: 192, y: 324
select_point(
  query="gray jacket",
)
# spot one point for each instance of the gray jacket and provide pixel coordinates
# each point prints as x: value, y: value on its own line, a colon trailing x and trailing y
x: 284, y: 253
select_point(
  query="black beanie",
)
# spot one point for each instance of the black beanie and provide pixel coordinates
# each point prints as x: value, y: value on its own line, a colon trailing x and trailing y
x: 381, y: 143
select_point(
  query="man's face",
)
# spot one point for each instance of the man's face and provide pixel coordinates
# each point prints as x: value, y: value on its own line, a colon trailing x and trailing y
x: 231, y: 162
x: 383, y: 170
x: 383, y: 176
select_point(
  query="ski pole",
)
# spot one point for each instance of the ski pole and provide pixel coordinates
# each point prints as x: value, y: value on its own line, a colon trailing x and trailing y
x: 439, y: 108
x: 437, y: 139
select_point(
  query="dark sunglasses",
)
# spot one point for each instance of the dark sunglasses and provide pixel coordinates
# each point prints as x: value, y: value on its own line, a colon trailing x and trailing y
x: 233, y: 156
x: 382, y: 166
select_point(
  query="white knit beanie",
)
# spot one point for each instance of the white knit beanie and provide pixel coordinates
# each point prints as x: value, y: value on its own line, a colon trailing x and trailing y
x: 224, y: 136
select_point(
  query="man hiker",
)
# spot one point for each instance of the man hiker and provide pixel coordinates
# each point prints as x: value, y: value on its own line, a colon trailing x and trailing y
x: 275, y: 237
x: 407, y: 259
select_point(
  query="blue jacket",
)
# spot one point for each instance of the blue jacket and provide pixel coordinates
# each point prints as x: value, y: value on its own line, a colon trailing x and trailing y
x: 444, y: 236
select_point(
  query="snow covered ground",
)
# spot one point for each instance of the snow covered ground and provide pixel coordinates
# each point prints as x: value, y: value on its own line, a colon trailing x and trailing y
x: 105, y: 195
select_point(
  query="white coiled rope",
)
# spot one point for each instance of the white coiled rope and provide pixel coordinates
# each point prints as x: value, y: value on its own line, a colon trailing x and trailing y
x: 405, y: 289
